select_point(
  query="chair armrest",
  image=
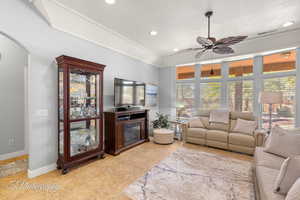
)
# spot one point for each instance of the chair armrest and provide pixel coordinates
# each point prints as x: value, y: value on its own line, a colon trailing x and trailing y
x: 260, y: 136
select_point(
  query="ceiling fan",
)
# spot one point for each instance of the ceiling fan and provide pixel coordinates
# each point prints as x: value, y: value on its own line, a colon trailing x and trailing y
x: 217, y: 46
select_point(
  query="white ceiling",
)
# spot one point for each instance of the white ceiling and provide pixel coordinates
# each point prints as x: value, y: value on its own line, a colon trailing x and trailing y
x: 179, y: 22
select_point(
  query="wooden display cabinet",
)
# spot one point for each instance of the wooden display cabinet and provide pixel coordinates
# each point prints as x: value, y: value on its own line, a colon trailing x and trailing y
x: 80, y: 111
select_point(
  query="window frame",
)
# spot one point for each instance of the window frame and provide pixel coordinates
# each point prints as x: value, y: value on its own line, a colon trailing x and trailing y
x: 258, y: 77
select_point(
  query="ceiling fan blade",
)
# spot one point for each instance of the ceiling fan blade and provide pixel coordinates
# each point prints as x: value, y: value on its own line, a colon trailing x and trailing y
x: 223, y: 50
x: 200, y: 53
x: 204, y: 41
x: 188, y: 50
x: 230, y: 40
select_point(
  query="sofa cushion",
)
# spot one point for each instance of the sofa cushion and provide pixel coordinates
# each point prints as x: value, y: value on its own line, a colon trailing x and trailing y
x: 242, y: 115
x: 196, y: 123
x: 294, y: 192
x: 265, y: 179
x: 245, y: 126
x: 289, y: 173
x: 283, y: 142
x: 214, y: 126
x: 219, y: 126
x: 203, y: 113
x: 265, y: 159
x: 241, y: 139
x: 217, y: 135
x: 219, y: 116
x: 196, y: 132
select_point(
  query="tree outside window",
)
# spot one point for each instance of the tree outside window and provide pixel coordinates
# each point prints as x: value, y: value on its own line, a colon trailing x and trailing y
x: 210, y: 94
x: 282, y: 114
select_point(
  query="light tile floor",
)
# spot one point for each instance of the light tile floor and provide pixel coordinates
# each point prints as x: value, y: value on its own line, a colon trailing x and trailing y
x: 99, y: 180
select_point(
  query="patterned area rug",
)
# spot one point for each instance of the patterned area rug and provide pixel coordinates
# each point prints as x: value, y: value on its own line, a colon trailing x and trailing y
x: 192, y: 175
x: 13, y: 167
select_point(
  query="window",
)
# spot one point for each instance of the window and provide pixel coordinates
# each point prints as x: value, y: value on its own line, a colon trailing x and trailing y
x: 241, y: 68
x: 276, y: 72
x: 210, y: 71
x: 185, y: 99
x: 240, y: 95
x: 283, y: 114
x: 280, y: 62
x: 210, y: 95
x: 185, y: 72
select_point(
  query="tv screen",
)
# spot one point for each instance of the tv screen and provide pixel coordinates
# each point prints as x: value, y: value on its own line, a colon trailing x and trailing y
x: 129, y: 93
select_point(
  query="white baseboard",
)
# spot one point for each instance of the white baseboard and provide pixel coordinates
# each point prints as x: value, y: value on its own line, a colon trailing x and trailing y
x: 41, y: 171
x: 12, y: 155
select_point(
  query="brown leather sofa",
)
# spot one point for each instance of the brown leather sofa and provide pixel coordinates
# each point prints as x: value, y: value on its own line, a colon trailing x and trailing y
x: 222, y: 135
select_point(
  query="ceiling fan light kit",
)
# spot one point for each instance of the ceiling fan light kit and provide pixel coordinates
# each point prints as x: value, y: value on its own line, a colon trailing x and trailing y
x: 221, y: 46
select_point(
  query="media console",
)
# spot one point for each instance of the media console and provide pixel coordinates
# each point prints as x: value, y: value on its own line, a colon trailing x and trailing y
x: 125, y: 129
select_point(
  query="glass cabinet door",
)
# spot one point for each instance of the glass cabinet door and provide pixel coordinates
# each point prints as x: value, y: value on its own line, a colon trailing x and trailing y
x: 61, y: 110
x: 83, y: 94
x: 84, y: 111
x: 83, y: 136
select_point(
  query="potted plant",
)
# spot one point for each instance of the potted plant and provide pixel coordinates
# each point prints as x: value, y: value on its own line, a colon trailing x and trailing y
x: 162, y: 121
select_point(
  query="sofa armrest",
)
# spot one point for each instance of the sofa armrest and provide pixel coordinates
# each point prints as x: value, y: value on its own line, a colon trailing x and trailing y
x: 260, y: 135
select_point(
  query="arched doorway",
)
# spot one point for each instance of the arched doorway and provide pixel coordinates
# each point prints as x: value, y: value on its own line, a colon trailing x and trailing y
x: 13, y: 107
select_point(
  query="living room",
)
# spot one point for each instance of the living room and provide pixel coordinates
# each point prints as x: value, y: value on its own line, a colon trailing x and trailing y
x: 111, y: 99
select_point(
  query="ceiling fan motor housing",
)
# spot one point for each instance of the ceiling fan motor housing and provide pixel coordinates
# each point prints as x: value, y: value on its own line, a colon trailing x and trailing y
x: 209, y: 13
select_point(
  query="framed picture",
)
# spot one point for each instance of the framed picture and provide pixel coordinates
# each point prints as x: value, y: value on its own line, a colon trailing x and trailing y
x: 151, y: 95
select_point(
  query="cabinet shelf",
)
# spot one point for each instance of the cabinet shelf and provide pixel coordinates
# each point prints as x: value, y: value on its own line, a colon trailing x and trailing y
x: 84, y: 119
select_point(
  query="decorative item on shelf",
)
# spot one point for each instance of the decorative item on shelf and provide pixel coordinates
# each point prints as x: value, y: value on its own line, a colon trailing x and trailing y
x: 270, y: 98
x: 162, y: 121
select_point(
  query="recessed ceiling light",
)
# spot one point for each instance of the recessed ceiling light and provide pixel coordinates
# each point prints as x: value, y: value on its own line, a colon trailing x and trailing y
x: 110, y: 1
x: 175, y: 49
x: 289, y: 23
x: 153, y: 33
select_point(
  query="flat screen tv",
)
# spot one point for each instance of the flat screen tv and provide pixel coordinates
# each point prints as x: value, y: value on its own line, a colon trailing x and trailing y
x: 129, y: 93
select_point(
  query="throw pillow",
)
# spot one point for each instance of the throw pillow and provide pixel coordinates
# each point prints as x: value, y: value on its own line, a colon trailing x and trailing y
x: 289, y: 173
x: 283, y: 142
x: 294, y: 192
x: 219, y: 116
x: 245, y: 126
x: 196, y: 123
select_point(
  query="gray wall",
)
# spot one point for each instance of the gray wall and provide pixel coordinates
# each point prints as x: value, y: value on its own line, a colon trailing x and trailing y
x: 19, y: 20
x: 167, y: 91
x: 12, y: 64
